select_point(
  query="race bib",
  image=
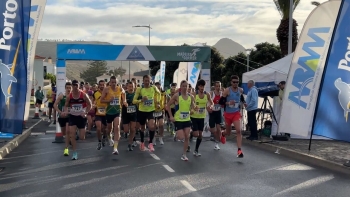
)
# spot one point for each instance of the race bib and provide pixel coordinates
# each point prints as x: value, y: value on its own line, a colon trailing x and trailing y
x: 114, y: 102
x: 101, y: 110
x: 76, y: 108
x: 157, y: 114
x: 184, y: 115
x: 217, y: 107
x: 131, y: 109
x: 201, y: 110
x: 236, y: 105
x: 148, y: 103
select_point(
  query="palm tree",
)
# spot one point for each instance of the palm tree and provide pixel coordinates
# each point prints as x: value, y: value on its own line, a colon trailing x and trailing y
x: 315, y: 3
x: 283, y: 29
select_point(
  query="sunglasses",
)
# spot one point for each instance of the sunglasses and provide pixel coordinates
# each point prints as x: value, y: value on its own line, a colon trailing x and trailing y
x: 234, y: 81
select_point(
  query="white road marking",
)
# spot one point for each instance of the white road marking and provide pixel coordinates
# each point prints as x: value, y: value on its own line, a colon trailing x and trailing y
x: 168, y: 168
x: 188, y: 185
x: 155, y: 157
x: 306, y: 184
x: 297, y: 166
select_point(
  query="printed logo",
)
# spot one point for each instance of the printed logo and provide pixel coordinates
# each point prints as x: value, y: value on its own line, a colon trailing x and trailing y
x: 343, y: 96
x: 6, y: 79
x: 76, y: 51
x: 195, y: 70
x: 308, y: 65
x: 135, y: 54
x: 189, y: 56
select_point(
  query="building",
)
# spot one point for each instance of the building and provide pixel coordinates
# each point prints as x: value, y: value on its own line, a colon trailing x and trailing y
x: 121, y: 79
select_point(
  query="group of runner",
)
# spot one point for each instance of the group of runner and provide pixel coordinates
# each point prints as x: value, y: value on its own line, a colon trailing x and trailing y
x: 149, y: 106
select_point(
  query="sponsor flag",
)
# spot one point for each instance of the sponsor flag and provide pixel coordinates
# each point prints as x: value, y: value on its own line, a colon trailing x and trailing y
x: 182, y: 73
x: 157, y: 77
x: 304, y: 78
x: 36, y: 15
x: 175, y: 77
x: 162, y: 74
x: 194, y: 69
x: 14, y: 26
x: 332, y: 112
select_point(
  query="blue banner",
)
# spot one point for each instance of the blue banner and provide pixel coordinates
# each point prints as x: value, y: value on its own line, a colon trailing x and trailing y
x: 14, y: 25
x: 331, y: 115
x: 88, y: 51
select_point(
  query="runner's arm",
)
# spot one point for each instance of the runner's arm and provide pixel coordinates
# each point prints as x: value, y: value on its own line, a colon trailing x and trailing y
x: 193, y: 103
x: 55, y: 105
x: 135, y: 100
x: 88, y: 103
x: 210, y: 100
x: 66, y: 105
x: 223, y: 98
x: 104, y: 95
x: 171, y: 101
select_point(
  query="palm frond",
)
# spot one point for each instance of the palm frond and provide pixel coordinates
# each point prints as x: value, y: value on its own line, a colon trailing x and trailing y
x: 283, y: 7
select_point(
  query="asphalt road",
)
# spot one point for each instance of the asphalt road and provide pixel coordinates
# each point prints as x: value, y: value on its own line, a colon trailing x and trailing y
x: 38, y: 168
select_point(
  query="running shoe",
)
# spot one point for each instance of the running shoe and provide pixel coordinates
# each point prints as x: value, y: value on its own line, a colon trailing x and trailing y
x: 115, y: 151
x: 130, y: 147
x: 111, y: 142
x: 134, y: 144
x: 184, y: 158
x: 103, y: 142
x: 150, y: 147
x: 197, y: 154
x: 216, y: 147
x: 240, y: 154
x: 161, y: 141
x: 75, y: 156
x: 99, y: 146
x: 142, y: 146
x: 66, y: 152
x: 155, y: 141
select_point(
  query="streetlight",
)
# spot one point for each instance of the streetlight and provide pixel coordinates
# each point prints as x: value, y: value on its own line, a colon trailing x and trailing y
x: 149, y: 40
x: 248, y: 53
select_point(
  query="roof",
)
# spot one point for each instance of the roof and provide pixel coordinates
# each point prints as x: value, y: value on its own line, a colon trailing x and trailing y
x: 141, y: 73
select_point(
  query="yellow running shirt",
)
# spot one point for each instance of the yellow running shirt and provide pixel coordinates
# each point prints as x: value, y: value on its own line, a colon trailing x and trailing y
x: 202, y: 104
x: 114, y: 106
x: 153, y: 95
x: 100, y: 107
x: 182, y: 110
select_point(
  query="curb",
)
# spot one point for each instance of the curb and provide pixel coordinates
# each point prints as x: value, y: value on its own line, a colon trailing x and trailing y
x: 302, y: 157
x: 14, y: 143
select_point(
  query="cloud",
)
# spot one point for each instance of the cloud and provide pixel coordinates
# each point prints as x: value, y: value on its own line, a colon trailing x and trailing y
x: 173, y: 22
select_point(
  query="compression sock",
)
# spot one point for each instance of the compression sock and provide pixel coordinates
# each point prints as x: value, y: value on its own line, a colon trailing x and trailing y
x: 198, y: 142
x: 142, y: 135
x: 151, y: 136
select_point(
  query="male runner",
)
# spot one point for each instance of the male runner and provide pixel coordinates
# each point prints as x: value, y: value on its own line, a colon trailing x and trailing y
x: 215, y: 115
x: 231, y: 99
x: 100, y: 118
x: 202, y: 99
x: 113, y: 96
x: 172, y: 109
x: 129, y: 114
x: 184, y: 103
x: 159, y: 115
x: 63, y: 118
x: 79, y: 104
x: 147, y: 105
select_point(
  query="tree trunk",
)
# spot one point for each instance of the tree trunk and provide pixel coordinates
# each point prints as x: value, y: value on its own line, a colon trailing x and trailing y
x: 283, y: 33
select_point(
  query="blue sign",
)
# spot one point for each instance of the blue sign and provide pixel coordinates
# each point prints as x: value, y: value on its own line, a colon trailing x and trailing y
x: 194, y: 72
x: 331, y: 115
x: 135, y: 54
x: 14, y: 25
x: 88, y: 51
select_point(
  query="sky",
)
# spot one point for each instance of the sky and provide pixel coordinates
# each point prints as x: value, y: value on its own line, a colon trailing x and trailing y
x: 173, y: 22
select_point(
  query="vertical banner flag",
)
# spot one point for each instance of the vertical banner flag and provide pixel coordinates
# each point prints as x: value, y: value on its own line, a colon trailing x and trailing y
x: 331, y: 118
x: 304, y: 78
x: 157, y: 77
x: 194, y: 68
x: 175, y: 76
x: 60, y: 81
x: 13, y: 63
x: 205, y: 75
x: 182, y: 73
x: 162, y: 74
x: 36, y: 15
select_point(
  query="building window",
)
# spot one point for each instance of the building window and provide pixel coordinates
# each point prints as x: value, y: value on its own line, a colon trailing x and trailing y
x: 45, y: 71
x: 105, y: 80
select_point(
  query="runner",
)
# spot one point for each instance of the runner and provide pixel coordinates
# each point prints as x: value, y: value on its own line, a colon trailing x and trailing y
x: 79, y: 104
x: 91, y: 114
x: 159, y: 115
x: 63, y: 118
x: 147, y: 106
x: 100, y: 118
x: 130, y: 116
x: 170, y: 124
x: 113, y: 95
x: 231, y: 99
x: 202, y: 99
x: 215, y: 116
x: 184, y: 102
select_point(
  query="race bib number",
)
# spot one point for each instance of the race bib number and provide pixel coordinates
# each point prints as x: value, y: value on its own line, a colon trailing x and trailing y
x: 236, y: 105
x: 114, y: 102
x: 184, y: 115
x: 201, y: 110
x: 101, y: 110
x: 131, y: 109
x: 76, y: 108
x: 157, y: 114
x: 148, y: 103
x: 217, y: 107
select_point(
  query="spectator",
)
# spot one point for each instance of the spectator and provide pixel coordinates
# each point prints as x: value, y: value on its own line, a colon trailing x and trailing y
x: 39, y: 97
x: 251, y: 106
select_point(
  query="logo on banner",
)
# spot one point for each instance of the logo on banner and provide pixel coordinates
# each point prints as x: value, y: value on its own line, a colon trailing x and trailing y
x: 343, y: 96
x: 189, y: 56
x: 135, y: 54
x: 6, y: 79
x: 194, y: 72
x: 308, y: 65
x: 76, y: 51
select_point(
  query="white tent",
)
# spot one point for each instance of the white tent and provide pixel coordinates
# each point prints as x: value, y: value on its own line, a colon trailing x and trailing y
x: 274, y: 72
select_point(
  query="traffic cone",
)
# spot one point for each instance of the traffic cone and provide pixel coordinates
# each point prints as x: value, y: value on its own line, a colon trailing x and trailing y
x: 36, y: 115
x: 44, y: 111
x: 58, y: 135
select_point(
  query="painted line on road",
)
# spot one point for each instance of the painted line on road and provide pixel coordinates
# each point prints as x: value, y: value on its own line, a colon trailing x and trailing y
x: 188, y: 185
x: 168, y: 168
x: 155, y: 156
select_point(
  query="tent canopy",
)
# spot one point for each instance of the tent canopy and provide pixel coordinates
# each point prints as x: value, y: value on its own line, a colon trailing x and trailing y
x: 270, y: 74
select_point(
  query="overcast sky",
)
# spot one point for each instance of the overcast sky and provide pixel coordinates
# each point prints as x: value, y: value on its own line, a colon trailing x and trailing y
x: 174, y: 22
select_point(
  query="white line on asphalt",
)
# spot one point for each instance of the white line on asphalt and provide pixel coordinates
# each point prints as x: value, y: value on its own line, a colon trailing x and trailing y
x: 306, y: 184
x: 155, y: 157
x: 168, y: 168
x: 188, y: 185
